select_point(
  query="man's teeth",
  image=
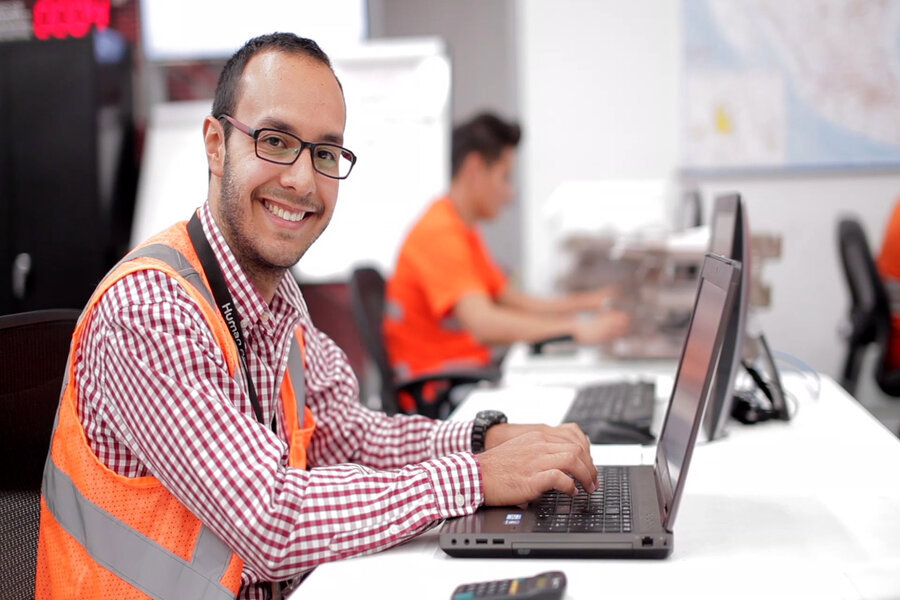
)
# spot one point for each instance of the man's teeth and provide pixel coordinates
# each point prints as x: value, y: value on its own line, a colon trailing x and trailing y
x: 287, y: 216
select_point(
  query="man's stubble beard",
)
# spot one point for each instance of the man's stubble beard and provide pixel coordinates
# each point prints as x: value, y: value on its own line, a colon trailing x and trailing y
x: 242, y: 246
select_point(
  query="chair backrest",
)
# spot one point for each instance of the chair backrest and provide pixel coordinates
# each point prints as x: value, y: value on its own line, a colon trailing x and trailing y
x: 367, y: 301
x: 34, y: 347
x: 869, y: 316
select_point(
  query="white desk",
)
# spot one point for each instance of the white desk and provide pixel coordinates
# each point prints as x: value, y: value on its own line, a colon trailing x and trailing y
x: 582, y: 365
x: 804, y: 509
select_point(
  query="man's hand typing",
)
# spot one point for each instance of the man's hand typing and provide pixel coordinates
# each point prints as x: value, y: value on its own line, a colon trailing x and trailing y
x: 523, y: 461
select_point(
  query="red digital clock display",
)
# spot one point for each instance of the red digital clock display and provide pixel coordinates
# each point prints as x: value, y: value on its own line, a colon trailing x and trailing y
x: 69, y: 18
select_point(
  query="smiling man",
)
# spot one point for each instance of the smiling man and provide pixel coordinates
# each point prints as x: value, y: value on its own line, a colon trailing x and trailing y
x: 210, y: 442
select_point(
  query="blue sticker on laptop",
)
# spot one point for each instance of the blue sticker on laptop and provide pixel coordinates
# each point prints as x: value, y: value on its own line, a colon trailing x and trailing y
x: 513, y: 519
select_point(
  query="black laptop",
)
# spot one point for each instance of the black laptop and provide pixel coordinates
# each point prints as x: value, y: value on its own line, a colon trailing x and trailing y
x: 632, y: 513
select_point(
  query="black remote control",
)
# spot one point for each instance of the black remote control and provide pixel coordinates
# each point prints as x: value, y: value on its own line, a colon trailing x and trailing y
x: 543, y: 586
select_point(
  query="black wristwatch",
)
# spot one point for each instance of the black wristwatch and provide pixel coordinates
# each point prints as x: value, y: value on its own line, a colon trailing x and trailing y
x: 484, y: 420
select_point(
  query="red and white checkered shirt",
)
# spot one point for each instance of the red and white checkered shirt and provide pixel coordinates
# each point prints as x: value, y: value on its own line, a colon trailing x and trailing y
x: 155, y: 398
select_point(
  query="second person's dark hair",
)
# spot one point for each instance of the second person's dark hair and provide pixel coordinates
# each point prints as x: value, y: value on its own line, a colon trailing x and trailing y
x: 487, y: 134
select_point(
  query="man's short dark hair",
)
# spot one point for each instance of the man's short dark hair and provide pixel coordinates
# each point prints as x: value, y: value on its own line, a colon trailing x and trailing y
x: 228, y: 87
x: 487, y: 134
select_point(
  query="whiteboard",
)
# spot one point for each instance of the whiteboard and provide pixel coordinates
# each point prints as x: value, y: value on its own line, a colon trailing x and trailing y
x: 397, y: 94
x: 175, y: 30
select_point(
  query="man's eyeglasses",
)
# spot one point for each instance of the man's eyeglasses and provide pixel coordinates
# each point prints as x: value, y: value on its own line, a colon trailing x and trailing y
x: 283, y: 148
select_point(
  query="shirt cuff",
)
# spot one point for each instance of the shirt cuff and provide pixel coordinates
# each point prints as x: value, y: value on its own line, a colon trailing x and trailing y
x: 456, y: 479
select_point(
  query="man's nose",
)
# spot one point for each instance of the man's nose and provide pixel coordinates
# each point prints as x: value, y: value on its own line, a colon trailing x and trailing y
x: 300, y: 176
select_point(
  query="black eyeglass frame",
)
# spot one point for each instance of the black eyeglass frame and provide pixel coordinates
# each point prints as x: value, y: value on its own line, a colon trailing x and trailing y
x: 255, y: 133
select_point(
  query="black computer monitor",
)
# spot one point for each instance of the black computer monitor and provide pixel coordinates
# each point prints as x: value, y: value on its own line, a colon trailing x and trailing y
x: 729, y: 237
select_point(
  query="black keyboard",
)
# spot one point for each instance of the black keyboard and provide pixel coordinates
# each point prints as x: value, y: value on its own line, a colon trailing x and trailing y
x: 606, y: 510
x: 614, y: 411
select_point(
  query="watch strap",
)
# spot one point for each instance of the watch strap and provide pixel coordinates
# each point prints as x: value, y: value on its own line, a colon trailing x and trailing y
x: 484, y: 420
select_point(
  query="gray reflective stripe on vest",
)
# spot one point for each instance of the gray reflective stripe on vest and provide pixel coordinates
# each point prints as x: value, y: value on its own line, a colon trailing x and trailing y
x: 177, y: 261
x: 298, y: 377
x: 131, y: 555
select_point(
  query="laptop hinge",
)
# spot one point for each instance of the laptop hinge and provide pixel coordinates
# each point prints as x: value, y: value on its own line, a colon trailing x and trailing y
x: 660, y: 497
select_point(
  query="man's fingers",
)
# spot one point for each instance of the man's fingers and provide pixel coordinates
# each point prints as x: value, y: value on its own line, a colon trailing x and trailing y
x: 567, y: 459
x: 555, y: 479
x: 525, y: 466
x: 567, y: 431
x: 570, y: 432
x: 568, y: 450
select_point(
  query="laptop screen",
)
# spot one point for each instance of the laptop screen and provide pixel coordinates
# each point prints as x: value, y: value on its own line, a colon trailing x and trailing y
x: 699, y: 361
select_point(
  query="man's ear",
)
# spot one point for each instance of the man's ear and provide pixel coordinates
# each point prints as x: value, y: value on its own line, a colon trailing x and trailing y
x: 214, y: 140
x: 473, y: 165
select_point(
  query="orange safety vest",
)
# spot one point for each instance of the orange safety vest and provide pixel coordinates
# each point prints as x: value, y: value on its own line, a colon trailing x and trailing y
x: 103, y: 535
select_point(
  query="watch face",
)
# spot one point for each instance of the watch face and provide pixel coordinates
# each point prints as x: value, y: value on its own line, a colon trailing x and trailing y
x: 491, y: 417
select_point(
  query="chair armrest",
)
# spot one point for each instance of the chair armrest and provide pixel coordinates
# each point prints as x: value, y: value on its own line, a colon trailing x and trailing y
x: 889, y: 381
x: 452, y: 377
x: 537, y: 347
x: 444, y: 381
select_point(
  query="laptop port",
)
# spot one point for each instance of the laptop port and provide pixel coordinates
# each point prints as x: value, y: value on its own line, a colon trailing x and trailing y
x: 497, y: 541
x: 646, y: 541
x: 481, y: 540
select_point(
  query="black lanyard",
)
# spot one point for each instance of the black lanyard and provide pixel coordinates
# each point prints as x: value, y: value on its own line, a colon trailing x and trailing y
x: 226, y: 305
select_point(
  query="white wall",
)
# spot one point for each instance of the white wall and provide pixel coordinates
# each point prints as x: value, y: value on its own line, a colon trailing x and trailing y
x: 480, y: 40
x: 809, y: 293
x: 599, y: 91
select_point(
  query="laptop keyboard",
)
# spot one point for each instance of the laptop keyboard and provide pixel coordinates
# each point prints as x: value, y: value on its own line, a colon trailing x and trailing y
x: 623, y: 402
x: 606, y: 510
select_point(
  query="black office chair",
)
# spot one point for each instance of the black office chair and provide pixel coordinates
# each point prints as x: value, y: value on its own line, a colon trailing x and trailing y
x: 35, y: 347
x: 869, y: 319
x: 367, y: 300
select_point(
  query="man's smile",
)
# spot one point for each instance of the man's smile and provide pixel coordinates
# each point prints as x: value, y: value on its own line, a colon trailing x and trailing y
x: 293, y: 216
